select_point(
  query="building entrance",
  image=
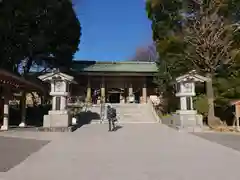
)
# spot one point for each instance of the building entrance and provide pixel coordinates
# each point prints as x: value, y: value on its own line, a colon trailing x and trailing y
x: 114, y: 95
x: 114, y: 98
x: 137, y: 96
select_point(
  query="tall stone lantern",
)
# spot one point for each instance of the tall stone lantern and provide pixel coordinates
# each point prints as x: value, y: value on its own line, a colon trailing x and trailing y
x: 59, y: 116
x: 187, y: 117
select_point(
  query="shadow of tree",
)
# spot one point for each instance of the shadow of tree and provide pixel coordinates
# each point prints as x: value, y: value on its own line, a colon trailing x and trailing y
x: 86, y: 117
x: 34, y: 115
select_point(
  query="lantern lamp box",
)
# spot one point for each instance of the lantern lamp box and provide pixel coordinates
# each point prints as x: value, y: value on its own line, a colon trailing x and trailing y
x: 59, y: 116
x: 187, y: 118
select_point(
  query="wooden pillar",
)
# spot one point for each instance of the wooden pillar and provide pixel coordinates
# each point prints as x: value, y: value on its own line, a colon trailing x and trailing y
x: 125, y: 92
x: 103, y: 94
x: 144, y: 93
x: 130, y: 93
x: 130, y: 89
x: 89, y: 90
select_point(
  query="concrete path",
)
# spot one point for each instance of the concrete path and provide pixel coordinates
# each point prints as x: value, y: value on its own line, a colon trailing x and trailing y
x: 134, y: 152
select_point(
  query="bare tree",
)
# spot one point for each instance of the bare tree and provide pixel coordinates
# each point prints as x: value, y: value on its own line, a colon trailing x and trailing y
x: 147, y: 54
x: 209, y: 38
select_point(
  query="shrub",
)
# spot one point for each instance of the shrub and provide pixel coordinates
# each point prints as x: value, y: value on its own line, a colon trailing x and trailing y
x: 201, y: 104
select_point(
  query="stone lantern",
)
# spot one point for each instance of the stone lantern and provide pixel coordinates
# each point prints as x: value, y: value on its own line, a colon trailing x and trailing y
x: 185, y: 91
x: 187, y: 117
x: 59, y: 116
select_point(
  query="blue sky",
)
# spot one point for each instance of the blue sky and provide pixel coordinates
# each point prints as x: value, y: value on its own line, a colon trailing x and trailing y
x: 112, y: 30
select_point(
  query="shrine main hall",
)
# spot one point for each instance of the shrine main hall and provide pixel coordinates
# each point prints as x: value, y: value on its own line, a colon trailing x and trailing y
x: 115, y: 82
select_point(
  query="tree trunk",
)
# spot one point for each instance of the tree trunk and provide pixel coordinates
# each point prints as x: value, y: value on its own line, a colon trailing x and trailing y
x: 212, y: 119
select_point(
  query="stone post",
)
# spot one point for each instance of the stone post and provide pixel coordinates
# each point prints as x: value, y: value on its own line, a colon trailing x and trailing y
x: 23, y: 109
x: 6, y: 112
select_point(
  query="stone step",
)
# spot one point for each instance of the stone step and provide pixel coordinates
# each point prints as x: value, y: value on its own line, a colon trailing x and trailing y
x: 122, y: 121
x: 128, y: 113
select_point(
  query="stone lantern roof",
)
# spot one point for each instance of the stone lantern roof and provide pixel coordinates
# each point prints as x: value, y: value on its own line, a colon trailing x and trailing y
x: 56, y: 75
x: 193, y: 76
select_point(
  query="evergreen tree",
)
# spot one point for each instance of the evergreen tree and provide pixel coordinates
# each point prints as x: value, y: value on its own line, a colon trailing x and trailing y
x: 196, y: 34
x: 40, y: 31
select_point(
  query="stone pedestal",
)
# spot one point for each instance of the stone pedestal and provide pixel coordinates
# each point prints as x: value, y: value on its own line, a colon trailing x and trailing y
x: 188, y: 120
x: 57, y: 119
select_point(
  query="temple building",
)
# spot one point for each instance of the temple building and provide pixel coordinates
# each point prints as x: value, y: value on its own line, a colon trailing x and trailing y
x: 97, y: 82
x: 114, y: 82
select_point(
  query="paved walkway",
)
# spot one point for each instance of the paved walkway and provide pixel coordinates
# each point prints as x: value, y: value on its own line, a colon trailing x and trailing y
x: 134, y: 152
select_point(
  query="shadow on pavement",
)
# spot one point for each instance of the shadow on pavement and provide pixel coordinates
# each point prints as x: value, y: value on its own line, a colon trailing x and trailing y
x: 225, y: 139
x: 118, y: 127
x: 86, y: 117
x: 15, y: 150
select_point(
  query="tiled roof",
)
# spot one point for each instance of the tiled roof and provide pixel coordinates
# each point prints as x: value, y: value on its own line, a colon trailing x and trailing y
x: 16, y: 81
x: 126, y: 66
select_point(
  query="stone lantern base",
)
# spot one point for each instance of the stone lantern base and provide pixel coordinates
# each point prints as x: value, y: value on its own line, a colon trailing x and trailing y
x: 55, y: 119
x: 188, y: 120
